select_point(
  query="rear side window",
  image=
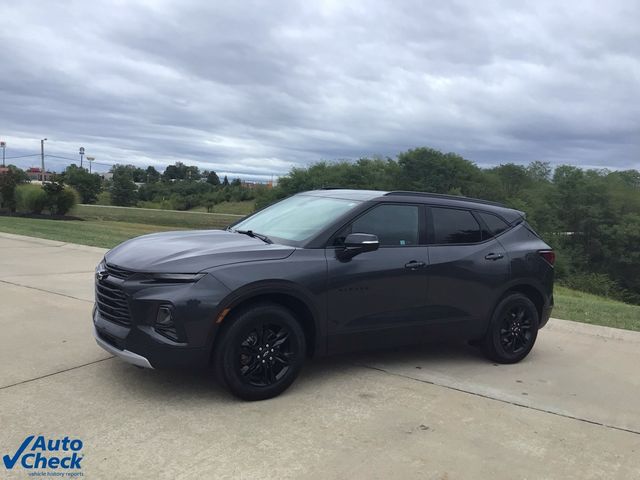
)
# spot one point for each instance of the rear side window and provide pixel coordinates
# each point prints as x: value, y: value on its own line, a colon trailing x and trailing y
x: 454, y: 226
x: 495, y: 224
x: 395, y: 225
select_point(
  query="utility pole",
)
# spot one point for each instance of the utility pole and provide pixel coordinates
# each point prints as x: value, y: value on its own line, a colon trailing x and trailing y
x: 3, y: 145
x: 90, y: 160
x: 42, y: 156
x: 81, y: 155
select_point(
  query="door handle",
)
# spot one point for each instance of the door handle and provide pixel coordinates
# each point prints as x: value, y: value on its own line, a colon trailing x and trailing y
x: 414, y: 265
x: 493, y: 256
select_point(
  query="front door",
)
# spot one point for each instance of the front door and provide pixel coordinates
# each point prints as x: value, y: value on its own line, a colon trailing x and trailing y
x: 379, y: 297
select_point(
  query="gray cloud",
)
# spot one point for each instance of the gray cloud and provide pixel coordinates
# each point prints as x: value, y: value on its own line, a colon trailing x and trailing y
x: 253, y: 88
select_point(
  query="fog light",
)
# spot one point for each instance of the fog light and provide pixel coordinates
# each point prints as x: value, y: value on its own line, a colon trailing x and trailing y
x: 164, y: 323
x: 164, y: 317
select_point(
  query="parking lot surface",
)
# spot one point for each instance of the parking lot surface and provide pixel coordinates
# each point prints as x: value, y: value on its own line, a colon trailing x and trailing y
x: 570, y: 410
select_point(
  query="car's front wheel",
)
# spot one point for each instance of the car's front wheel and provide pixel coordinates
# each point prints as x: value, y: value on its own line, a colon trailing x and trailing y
x: 513, y: 329
x: 261, y: 351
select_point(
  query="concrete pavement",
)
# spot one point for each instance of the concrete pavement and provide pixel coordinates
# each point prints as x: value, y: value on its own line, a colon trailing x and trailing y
x: 570, y: 410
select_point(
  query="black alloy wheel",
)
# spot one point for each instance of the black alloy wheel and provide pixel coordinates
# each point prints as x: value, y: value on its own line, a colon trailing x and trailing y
x: 260, y: 351
x: 265, y: 355
x: 513, y: 329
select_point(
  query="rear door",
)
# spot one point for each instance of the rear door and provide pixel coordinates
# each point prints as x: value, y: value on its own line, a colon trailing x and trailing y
x: 467, y: 268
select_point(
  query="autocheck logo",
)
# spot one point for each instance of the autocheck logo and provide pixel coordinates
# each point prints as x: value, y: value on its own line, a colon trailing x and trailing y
x: 39, y: 453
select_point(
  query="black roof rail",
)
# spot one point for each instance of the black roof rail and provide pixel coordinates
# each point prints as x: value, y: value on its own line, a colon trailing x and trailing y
x: 445, y: 196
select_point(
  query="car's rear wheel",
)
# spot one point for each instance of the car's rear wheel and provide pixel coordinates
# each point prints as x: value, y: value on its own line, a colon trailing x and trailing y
x: 261, y: 352
x: 513, y: 329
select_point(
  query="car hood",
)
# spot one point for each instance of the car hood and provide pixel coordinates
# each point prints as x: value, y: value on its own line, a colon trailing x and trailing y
x: 192, y: 251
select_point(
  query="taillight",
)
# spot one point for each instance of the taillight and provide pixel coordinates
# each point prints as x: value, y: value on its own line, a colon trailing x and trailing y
x: 548, y: 255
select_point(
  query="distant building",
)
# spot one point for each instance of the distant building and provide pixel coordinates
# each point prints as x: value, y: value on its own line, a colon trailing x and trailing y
x: 35, y: 174
x: 252, y: 185
x: 4, y: 170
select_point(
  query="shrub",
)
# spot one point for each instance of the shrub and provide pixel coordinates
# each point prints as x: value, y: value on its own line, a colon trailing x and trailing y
x: 60, y: 199
x: 30, y: 198
x: 67, y: 199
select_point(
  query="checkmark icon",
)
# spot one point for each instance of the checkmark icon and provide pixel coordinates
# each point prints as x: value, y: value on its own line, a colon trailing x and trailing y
x: 10, y: 462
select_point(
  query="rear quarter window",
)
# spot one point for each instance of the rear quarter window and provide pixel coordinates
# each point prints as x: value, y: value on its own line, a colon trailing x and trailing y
x: 494, y: 225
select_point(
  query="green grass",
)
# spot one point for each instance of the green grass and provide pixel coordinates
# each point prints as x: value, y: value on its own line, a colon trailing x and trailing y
x: 165, y: 218
x: 98, y: 233
x: 234, y: 208
x: 588, y: 308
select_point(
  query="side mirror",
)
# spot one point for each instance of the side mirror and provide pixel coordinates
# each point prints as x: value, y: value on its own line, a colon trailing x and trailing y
x: 357, y: 243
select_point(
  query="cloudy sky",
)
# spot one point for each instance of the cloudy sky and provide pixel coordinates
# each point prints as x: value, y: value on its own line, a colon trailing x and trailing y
x: 253, y: 88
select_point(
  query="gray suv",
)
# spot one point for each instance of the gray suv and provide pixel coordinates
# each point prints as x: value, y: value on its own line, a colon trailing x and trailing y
x: 325, y: 272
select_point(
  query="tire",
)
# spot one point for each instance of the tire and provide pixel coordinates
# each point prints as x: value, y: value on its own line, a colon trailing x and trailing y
x: 260, y: 352
x: 513, y: 329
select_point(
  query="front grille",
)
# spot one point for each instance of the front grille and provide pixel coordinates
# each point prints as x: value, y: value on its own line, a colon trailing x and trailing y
x: 118, y: 272
x: 112, y: 303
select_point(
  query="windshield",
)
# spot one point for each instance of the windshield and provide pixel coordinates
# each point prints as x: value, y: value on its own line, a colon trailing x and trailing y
x: 296, y: 218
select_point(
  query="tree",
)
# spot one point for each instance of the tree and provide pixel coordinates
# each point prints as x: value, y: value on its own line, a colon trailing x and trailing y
x: 512, y: 178
x: 180, y: 171
x: 212, y: 177
x: 9, y: 180
x: 429, y: 170
x: 88, y: 185
x: 123, y: 190
x: 152, y: 175
x: 225, y: 182
x: 539, y: 171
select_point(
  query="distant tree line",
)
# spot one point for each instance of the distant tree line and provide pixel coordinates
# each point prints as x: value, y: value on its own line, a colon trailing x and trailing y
x: 179, y: 187
x: 590, y: 217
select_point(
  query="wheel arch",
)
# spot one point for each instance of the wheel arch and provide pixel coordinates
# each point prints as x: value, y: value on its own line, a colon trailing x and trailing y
x: 528, y: 289
x: 286, y: 294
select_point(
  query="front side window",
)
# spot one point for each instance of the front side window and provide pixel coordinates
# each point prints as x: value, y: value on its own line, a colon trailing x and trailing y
x: 395, y: 225
x: 454, y: 226
x: 297, y: 218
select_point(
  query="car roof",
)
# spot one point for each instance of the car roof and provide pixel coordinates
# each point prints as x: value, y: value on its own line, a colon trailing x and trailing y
x: 507, y: 213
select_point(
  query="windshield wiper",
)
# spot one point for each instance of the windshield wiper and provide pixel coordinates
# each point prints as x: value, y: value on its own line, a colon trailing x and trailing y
x: 253, y: 234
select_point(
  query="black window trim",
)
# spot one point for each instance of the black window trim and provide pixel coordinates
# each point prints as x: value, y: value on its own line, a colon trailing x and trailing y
x: 422, y: 226
x: 474, y: 212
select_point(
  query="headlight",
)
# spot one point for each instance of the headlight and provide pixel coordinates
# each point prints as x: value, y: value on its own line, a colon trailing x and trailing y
x: 175, y: 277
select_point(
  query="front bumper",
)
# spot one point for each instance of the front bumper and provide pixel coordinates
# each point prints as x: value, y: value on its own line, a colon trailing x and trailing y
x: 142, y: 346
x: 126, y: 355
x: 128, y: 331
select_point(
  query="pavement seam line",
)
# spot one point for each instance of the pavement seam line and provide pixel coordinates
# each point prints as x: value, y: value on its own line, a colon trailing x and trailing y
x: 55, y: 373
x: 488, y: 397
x: 44, y: 274
x: 46, y: 291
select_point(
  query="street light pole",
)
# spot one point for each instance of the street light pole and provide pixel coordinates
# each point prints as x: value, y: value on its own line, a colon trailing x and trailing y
x: 3, y: 145
x: 42, y: 156
x: 81, y: 155
x: 90, y: 159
